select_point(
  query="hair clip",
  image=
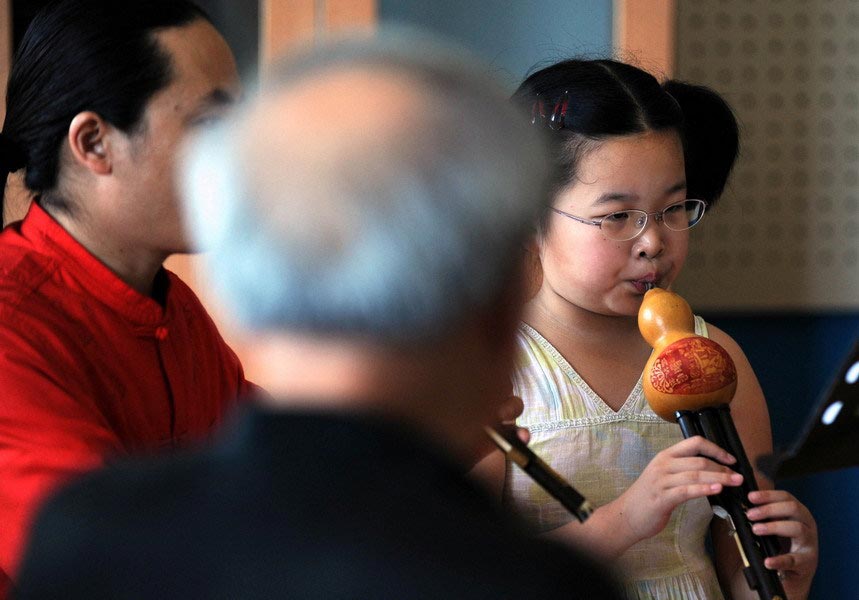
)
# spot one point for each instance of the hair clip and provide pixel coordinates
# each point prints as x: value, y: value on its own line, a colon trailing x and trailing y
x: 557, y: 120
x: 559, y: 112
x: 538, y: 112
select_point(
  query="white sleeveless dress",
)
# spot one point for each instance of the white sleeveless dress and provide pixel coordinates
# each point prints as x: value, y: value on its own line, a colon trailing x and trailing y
x: 601, y: 453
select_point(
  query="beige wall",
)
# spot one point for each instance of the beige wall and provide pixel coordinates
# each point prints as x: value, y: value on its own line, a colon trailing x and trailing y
x: 785, y: 236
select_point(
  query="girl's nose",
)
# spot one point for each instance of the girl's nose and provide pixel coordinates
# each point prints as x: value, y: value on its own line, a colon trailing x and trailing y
x: 651, y: 242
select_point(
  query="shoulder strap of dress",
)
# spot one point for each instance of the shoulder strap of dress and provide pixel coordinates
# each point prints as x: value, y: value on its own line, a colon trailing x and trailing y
x: 701, y: 327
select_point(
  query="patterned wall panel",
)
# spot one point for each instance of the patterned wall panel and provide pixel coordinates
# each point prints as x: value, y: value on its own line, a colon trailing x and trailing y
x: 786, y: 235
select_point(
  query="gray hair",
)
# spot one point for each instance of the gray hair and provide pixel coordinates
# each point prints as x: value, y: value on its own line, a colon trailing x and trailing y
x: 388, y: 235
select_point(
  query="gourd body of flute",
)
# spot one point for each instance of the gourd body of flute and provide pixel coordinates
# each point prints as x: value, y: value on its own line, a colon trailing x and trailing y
x: 691, y: 379
x: 686, y: 371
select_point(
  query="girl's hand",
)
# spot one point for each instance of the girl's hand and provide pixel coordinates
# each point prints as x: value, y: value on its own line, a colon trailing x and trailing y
x: 788, y: 518
x: 677, y: 474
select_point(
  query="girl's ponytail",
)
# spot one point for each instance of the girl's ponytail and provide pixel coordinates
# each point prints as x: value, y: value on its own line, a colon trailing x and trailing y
x: 710, y: 137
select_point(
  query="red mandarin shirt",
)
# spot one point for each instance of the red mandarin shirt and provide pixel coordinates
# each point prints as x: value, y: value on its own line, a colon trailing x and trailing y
x: 91, y: 369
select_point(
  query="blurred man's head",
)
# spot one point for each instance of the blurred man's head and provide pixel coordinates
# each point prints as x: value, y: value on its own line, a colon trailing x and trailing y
x: 373, y: 202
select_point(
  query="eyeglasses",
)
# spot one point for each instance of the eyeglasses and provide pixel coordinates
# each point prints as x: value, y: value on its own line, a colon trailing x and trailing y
x: 625, y: 225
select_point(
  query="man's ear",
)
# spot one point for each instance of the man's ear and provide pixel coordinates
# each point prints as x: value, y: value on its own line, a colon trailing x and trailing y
x: 89, y: 143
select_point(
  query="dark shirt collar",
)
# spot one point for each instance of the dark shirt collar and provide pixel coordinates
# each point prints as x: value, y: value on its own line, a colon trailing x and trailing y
x: 334, y: 437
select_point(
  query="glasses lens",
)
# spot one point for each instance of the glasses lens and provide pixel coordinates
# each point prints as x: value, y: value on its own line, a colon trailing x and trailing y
x: 623, y: 225
x: 683, y: 215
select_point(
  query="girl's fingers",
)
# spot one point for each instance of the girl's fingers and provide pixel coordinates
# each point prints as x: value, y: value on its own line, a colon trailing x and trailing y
x: 696, y: 464
x: 676, y: 496
x: 791, y: 562
x: 770, y: 496
x: 797, y: 531
x: 787, y: 509
x: 696, y: 445
x: 686, y: 478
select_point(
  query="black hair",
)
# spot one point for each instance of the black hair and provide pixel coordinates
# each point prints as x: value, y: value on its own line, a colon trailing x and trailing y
x: 711, y: 139
x: 82, y: 55
x: 606, y: 98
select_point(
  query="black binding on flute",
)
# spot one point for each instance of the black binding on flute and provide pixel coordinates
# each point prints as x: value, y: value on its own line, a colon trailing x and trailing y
x: 517, y: 451
x: 715, y: 424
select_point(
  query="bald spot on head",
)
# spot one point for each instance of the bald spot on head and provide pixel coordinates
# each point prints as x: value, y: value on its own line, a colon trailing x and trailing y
x: 374, y: 100
x: 311, y: 135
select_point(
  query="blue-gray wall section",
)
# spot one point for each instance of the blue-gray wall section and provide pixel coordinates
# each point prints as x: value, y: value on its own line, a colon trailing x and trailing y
x: 795, y: 358
x: 512, y: 35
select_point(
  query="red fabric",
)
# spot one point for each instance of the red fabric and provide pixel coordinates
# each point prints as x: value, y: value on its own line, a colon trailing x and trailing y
x: 90, y: 369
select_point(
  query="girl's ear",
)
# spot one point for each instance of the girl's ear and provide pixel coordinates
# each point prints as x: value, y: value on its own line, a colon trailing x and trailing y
x: 532, y: 244
x: 532, y: 270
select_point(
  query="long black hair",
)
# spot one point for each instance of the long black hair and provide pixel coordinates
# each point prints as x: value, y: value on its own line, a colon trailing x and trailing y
x: 82, y: 55
x: 596, y: 99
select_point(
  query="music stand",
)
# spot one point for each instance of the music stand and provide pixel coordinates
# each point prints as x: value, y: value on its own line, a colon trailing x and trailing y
x: 830, y: 438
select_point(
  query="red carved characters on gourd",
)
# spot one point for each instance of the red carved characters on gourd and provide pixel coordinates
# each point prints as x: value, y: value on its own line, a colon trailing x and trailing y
x: 693, y: 365
x: 685, y: 371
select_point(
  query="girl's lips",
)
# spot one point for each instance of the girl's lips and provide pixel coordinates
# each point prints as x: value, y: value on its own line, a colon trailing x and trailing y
x: 643, y: 285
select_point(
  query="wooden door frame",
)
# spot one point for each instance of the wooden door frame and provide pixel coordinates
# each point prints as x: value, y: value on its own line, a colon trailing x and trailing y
x: 644, y: 34
x: 5, y: 51
x: 287, y: 23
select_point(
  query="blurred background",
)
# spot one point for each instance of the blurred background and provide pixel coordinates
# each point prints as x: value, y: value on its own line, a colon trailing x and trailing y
x: 777, y: 264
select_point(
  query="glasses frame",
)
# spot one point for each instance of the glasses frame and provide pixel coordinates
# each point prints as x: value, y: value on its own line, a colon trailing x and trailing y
x: 658, y: 216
